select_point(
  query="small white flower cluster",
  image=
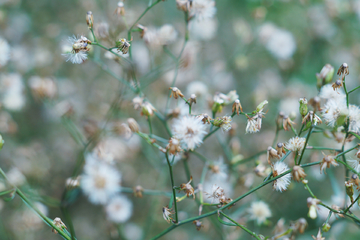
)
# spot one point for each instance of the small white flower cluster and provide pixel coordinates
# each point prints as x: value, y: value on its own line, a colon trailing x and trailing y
x: 190, y: 131
x: 283, y: 182
x: 78, y: 54
x: 279, y: 42
x: 12, y: 89
x: 218, y: 193
x: 100, y: 181
x: 259, y: 211
x: 4, y: 52
x: 162, y: 36
x: 335, y: 107
x: 202, y: 9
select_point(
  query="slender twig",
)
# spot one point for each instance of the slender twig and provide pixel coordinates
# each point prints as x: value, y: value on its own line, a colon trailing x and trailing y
x: 173, y: 187
x: 241, y: 226
x: 347, y: 209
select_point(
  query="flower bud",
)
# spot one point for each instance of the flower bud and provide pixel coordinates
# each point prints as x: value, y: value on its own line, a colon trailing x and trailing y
x: 326, y: 227
x: 176, y: 92
x: 138, y: 191
x: 192, y: 99
x: 343, y: 115
x: 217, y: 107
x: 261, y: 106
x: 349, y: 190
x: 303, y: 106
x: 120, y: 10
x: 298, y: 173
x: 133, y: 125
x: 1, y: 142
x: 236, y: 107
x: 90, y: 19
x: 325, y: 76
x: 312, y: 212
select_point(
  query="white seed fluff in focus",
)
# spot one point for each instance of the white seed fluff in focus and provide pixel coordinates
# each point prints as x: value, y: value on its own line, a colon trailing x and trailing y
x: 119, y: 209
x: 100, y: 181
x: 354, y: 119
x: 328, y: 92
x: 259, y: 211
x: 282, y: 183
x: 355, y: 164
x: 75, y: 58
x: 332, y: 109
x: 4, y: 52
x: 190, y: 131
x: 295, y: 144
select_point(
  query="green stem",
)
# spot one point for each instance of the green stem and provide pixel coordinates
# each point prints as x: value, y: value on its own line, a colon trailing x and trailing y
x: 249, y: 158
x: 32, y: 206
x: 147, y: 192
x: 276, y: 136
x: 231, y: 203
x: 210, y: 133
x: 137, y: 20
x: 150, y: 128
x: 201, y: 157
x: 173, y: 187
x: 353, y: 89
x: 187, y: 169
x: 346, y: 210
x: 306, y: 142
x: 241, y: 226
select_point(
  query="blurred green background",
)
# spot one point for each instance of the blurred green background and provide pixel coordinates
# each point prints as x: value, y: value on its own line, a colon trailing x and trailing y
x: 262, y: 49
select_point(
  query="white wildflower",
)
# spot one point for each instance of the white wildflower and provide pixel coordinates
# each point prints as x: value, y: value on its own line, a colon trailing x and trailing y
x: 281, y: 44
x: 12, y: 87
x: 167, y: 34
x: 75, y: 58
x: 190, y: 131
x: 78, y: 54
x: 282, y: 183
x: 100, y: 181
x: 355, y: 164
x: 295, y: 144
x: 216, y: 192
x: 119, y: 209
x: 332, y: 110
x: 4, y: 52
x: 203, y: 30
x: 219, y: 170
x: 328, y: 92
x: 203, y: 9
x: 167, y: 213
x: 16, y: 177
x: 259, y: 211
x: 251, y: 126
x: 354, y: 119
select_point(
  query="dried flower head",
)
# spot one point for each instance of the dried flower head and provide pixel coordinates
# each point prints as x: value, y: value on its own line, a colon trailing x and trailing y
x: 298, y: 173
x: 355, y: 180
x: 327, y: 161
x: 300, y: 225
x: 138, y: 191
x: 343, y: 70
x: 120, y: 9
x: 318, y: 236
x: 271, y: 153
x: 187, y: 188
x: 236, y: 107
x: 223, y: 122
x: 147, y: 109
x: 167, y: 214
x: 133, y: 125
x: 176, y: 92
x: 338, y: 209
x: 283, y: 182
x: 337, y: 84
x: 204, y: 118
x: 254, y: 123
x: 198, y: 224
x: 42, y: 87
x: 183, y: 5
x: 312, y: 118
x: 173, y: 146
x: 287, y: 123
x: 123, y: 45
x: 58, y: 223
x: 280, y: 148
x: 315, y: 103
x: 89, y: 19
x: 216, y: 193
x: 192, y: 99
x: 79, y: 50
